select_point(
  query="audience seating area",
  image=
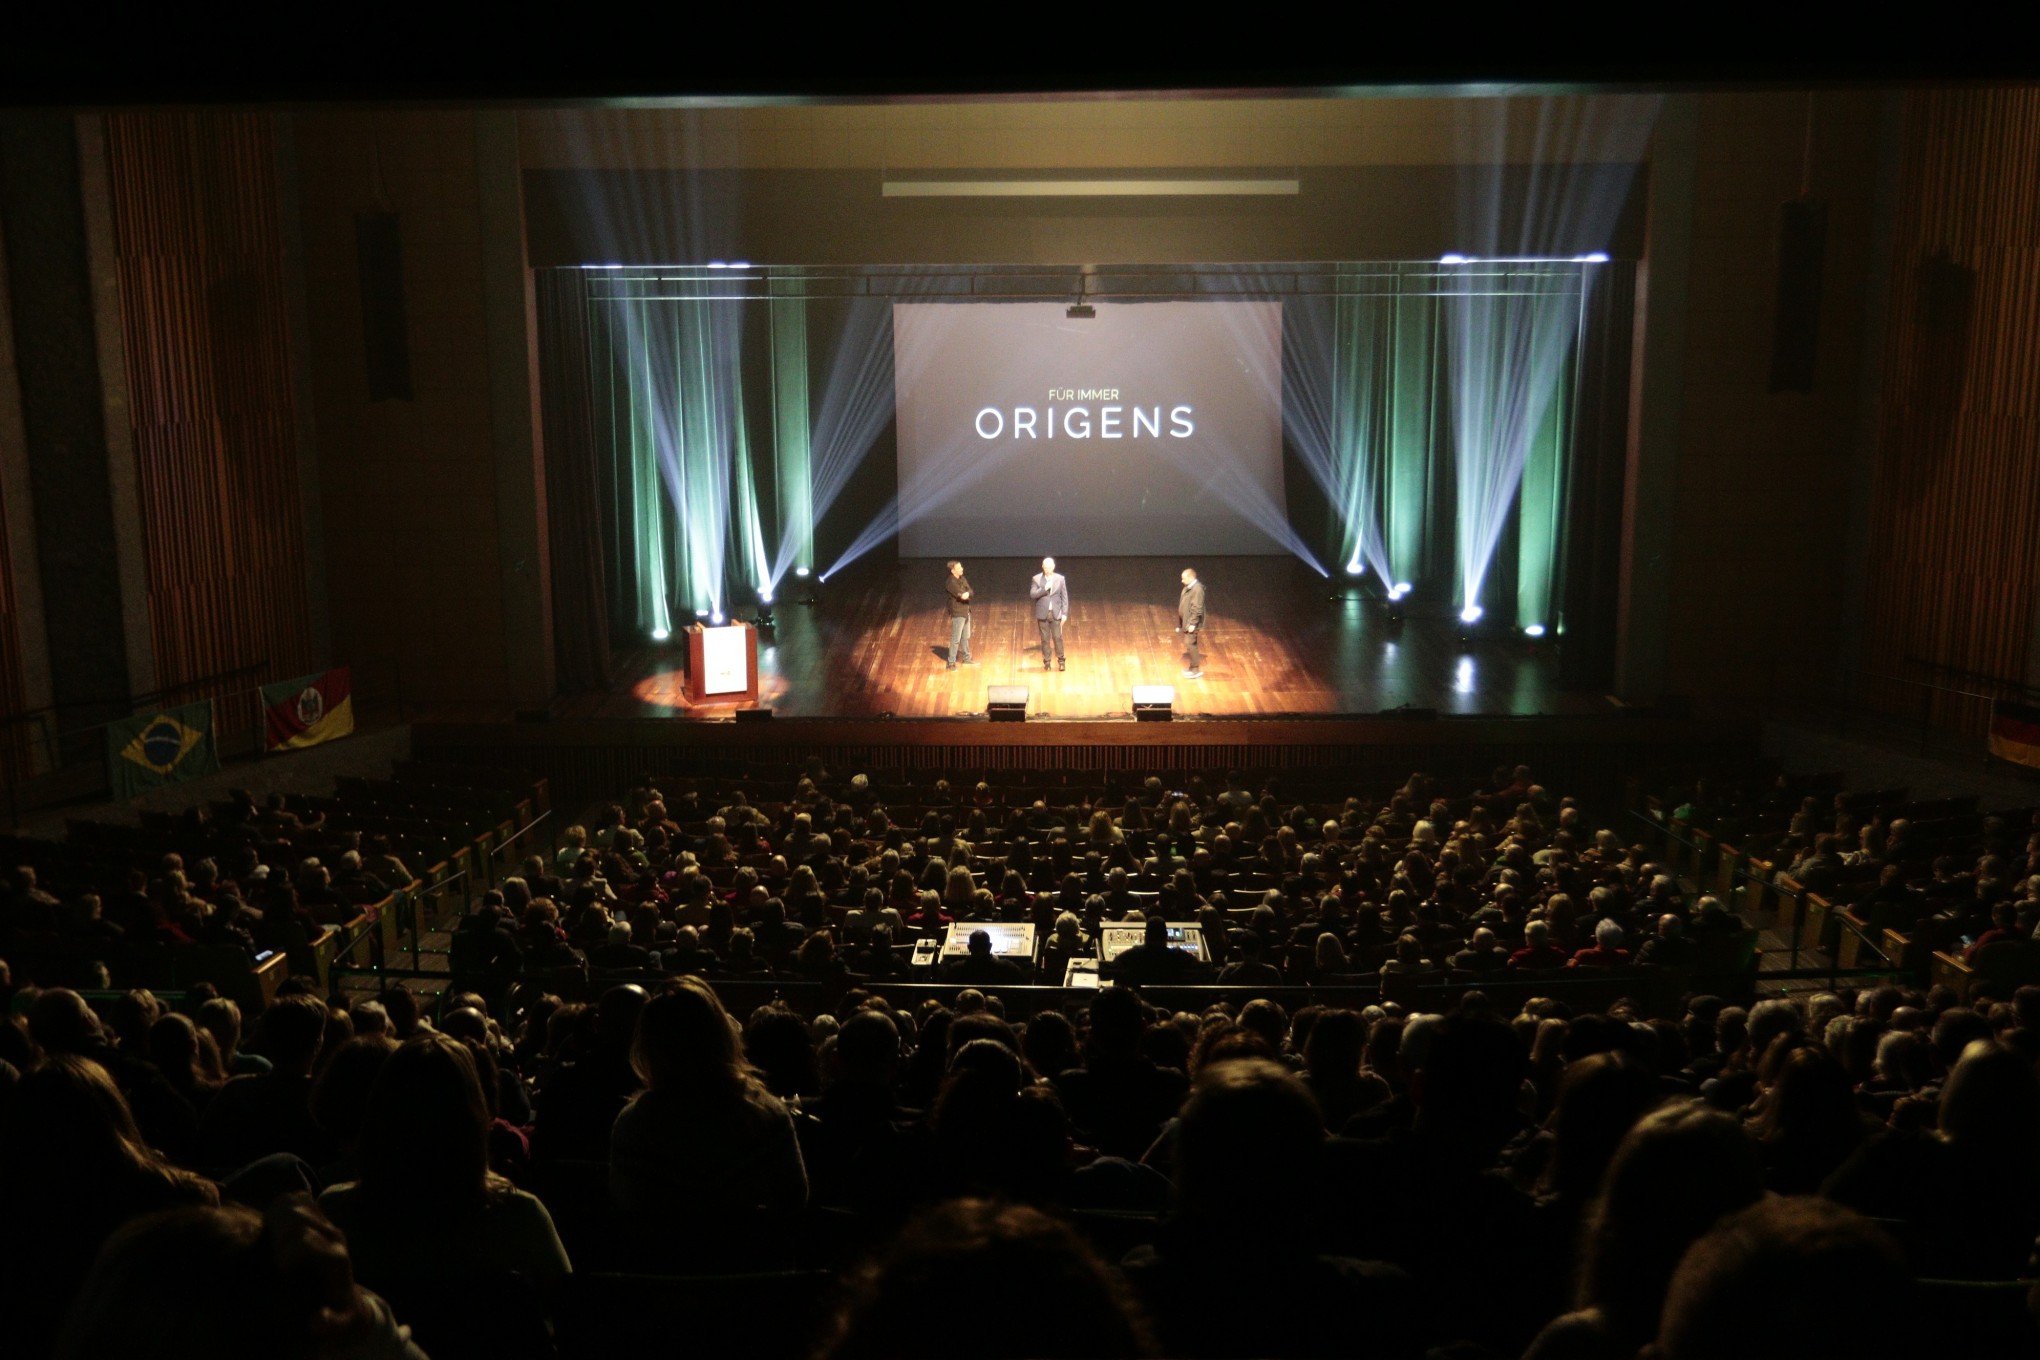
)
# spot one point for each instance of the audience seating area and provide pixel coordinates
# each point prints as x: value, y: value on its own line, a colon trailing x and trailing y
x: 1468, y: 1070
x: 243, y: 893
x: 1867, y: 878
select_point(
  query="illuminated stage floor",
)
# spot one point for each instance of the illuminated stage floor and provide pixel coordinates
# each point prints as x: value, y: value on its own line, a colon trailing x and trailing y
x: 876, y: 643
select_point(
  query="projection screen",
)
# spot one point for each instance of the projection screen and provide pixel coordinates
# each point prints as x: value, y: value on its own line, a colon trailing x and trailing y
x: 1152, y: 428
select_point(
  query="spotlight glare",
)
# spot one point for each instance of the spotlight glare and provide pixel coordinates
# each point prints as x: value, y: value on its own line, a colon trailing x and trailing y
x: 1454, y: 258
x: 660, y: 635
x: 716, y: 618
x: 717, y: 264
x: 765, y: 597
x: 1398, y: 590
x: 701, y: 613
x: 800, y: 571
x: 1535, y: 630
x: 1471, y: 614
x: 1592, y: 257
x: 1355, y: 569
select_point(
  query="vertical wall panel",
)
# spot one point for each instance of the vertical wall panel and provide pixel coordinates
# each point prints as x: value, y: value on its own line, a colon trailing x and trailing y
x: 1955, y: 529
x: 202, y: 263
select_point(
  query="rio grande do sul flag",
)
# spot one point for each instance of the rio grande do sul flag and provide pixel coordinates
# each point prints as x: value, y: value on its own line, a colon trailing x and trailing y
x: 160, y: 747
x: 2015, y: 732
x: 308, y: 710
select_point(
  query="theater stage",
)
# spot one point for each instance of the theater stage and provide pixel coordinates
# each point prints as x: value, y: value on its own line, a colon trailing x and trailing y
x: 874, y: 644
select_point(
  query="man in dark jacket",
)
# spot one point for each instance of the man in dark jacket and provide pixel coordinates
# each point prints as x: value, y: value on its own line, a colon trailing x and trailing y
x: 981, y: 967
x: 1190, y: 622
x: 1154, y: 961
x: 958, y: 586
x: 1050, y: 591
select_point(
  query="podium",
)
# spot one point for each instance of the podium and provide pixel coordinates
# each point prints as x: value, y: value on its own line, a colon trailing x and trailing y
x: 722, y: 664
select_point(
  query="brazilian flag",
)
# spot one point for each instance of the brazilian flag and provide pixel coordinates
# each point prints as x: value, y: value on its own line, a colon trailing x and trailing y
x: 162, y: 746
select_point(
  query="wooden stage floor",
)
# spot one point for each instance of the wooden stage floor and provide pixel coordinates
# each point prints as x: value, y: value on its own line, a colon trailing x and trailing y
x: 876, y: 643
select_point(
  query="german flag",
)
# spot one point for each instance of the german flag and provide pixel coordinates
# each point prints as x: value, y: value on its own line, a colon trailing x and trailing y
x: 2015, y: 733
x: 308, y: 710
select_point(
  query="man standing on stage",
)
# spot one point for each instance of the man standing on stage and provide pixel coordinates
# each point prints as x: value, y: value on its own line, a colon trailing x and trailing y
x: 1051, y: 595
x: 959, y: 616
x: 1190, y: 621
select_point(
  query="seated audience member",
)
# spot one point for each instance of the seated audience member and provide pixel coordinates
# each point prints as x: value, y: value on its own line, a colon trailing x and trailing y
x: 1788, y: 1278
x: 981, y: 968
x: 1600, y: 1098
x: 1605, y: 952
x: 1538, y: 952
x: 1251, y: 968
x: 574, y: 1111
x: 619, y: 954
x: 854, y: 1137
x: 1422, y: 1196
x: 258, y: 1116
x: 1118, y: 1098
x: 1332, y: 1058
x: 185, y: 1056
x: 220, y: 1017
x: 1248, y: 1150
x: 991, y: 1130
x: 1483, y: 954
x: 60, y: 1022
x: 1808, y: 1121
x: 704, y: 1140
x: 1066, y: 941
x: 426, y: 1207
x: 1673, y: 1176
x: 922, y: 1296
x: 2004, y: 922
x: 1970, y: 1189
x: 229, y: 1283
x: 73, y: 1169
x: 1670, y: 947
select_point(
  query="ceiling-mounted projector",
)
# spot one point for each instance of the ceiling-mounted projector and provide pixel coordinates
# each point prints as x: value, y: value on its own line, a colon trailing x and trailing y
x: 1081, y: 311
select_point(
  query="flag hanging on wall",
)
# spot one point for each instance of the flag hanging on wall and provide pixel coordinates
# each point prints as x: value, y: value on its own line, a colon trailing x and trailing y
x: 2015, y: 732
x: 163, y: 746
x: 308, y: 710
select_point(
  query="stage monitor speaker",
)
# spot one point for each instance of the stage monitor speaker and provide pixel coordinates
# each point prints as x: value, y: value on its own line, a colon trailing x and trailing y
x: 385, y: 328
x: 1154, y: 703
x: 745, y: 715
x: 1006, y: 703
x: 1802, y: 251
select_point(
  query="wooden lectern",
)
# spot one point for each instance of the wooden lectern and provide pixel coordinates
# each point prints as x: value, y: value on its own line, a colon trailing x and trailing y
x: 722, y: 664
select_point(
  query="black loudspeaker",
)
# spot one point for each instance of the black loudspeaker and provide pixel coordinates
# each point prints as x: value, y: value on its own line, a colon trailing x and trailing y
x: 1154, y: 703
x: 1802, y: 251
x: 745, y: 715
x: 1006, y: 703
x: 385, y: 328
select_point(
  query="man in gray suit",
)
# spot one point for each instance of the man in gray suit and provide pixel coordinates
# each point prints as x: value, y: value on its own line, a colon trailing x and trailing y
x: 1190, y: 621
x: 1051, y: 594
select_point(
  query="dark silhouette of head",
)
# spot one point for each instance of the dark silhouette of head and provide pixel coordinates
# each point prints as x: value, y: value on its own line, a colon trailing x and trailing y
x: 1791, y: 1277
x: 929, y: 1287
